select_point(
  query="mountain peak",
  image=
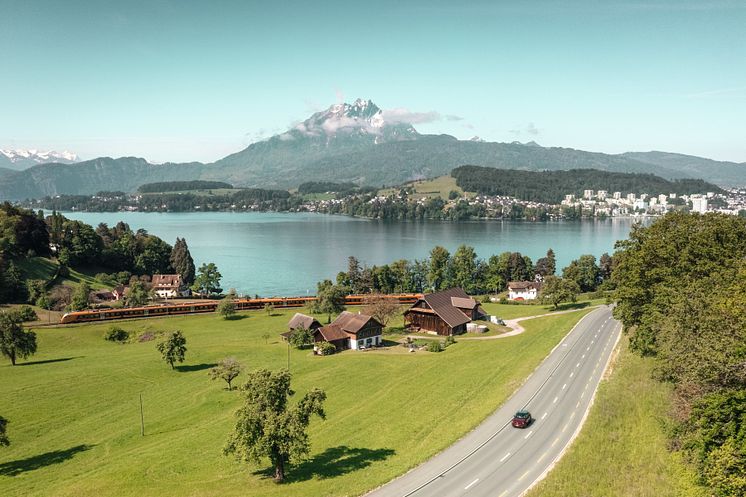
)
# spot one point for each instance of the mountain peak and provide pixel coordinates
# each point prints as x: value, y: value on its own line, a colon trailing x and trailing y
x: 360, y: 121
x: 19, y: 159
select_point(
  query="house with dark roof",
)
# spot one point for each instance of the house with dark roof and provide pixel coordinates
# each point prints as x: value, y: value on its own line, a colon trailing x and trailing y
x: 523, y: 290
x: 443, y: 313
x: 351, y: 331
x: 166, y: 285
x: 300, y: 321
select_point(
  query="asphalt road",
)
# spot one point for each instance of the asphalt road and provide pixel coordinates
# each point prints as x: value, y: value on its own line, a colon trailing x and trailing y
x: 497, y: 460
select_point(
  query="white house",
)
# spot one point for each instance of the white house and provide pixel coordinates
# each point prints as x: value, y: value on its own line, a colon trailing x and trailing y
x: 166, y: 285
x: 350, y: 331
x: 523, y: 290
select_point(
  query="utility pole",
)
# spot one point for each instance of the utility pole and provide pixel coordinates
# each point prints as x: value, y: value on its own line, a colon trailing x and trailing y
x: 142, y: 419
x: 288, y: 354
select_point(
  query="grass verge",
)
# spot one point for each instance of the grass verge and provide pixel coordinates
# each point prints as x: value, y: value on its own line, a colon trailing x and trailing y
x: 621, y: 450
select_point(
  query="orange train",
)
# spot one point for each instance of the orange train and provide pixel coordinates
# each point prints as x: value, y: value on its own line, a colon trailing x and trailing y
x: 211, y: 306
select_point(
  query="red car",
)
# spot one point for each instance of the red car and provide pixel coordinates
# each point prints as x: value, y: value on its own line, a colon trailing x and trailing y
x: 522, y: 419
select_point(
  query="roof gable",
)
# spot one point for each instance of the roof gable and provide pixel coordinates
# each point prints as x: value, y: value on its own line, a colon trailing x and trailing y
x: 353, y: 323
x: 442, y: 304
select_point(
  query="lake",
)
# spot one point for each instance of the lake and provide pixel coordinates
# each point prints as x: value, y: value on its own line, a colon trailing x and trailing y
x: 287, y: 253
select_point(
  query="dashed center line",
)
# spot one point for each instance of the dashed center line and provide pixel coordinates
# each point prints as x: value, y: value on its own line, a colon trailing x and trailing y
x: 571, y: 374
x: 471, y: 484
x: 555, y: 400
x: 542, y: 457
x: 555, y: 441
x: 523, y: 476
x: 577, y: 365
x: 564, y: 386
x: 505, y: 457
x: 544, y: 416
x: 528, y: 434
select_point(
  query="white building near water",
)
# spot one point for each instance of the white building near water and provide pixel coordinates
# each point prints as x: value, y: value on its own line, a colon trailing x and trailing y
x: 699, y: 203
x: 523, y: 290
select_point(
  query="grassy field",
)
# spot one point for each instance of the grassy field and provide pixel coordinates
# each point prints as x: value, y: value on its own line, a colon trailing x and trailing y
x: 622, y: 448
x: 75, y: 420
x: 512, y: 311
x: 431, y: 188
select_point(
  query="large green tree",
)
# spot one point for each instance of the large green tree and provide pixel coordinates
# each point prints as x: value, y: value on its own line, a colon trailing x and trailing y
x: 138, y: 294
x: 584, y: 271
x: 555, y: 290
x: 464, y: 269
x: 182, y: 262
x: 173, y: 347
x: 80, y: 297
x: 15, y: 341
x: 268, y: 426
x: 437, y: 275
x: 208, y: 279
x: 330, y: 299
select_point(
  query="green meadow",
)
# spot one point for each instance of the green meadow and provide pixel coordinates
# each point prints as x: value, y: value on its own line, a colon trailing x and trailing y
x: 75, y: 416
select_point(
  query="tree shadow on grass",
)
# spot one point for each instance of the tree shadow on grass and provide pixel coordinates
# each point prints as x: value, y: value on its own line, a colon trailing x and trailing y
x: 334, y: 461
x: 47, y: 361
x: 236, y: 317
x: 14, y: 468
x: 194, y: 367
x: 570, y: 307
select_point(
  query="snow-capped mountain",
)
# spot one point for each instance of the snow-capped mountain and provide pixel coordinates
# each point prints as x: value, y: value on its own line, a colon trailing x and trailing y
x: 20, y: 159
x: 360, y: 121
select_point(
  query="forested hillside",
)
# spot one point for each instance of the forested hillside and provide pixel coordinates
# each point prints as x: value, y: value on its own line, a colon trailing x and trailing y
x: 551, y: 186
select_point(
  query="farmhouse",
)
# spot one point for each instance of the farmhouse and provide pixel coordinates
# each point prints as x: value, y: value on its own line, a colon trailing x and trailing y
x: 166, y: 285
x: 523, y: 290
x: 300, y: 321
x: 351, y: 331
x: 444, y: 313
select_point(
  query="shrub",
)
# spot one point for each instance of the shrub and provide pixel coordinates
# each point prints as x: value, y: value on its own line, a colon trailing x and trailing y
x: 326, y: 348
x: 450, y: 340
x: 116, y: 334
x: 435, y: 346
x: 43, y: 302
x: 301, y: 338
x: 26, y: 313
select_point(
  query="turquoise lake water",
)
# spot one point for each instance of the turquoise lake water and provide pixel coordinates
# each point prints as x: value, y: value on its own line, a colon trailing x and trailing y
x: 287, y: 253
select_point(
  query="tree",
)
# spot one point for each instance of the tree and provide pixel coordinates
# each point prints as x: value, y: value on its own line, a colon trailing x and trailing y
x: 266, y: 336
x: 227, y: 370
x: 464, y: 268
x: 182, y: 262
x: 4, y: 440
x: 269, y: 308
x: 437, y: 275
x: 330, y: 299
x: 266, y: 426
x: 556, y: 290
x: 546, y: 266
x: 380, y: 307
x: 301, y: 338
x: 605, y: 265
x: 14, y: 340
x: 227, y: 307
x: 207, y: 281
x: 584, y: 272
x: 353, y: 275
x: 12, y: 285
x: 81, y: 297
x: 137, y: 294
x: 173, y: 348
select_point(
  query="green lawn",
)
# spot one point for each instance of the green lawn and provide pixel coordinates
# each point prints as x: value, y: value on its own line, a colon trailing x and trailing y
x: 74, y: 415
x: 622, y: 448
x: 512, y: 311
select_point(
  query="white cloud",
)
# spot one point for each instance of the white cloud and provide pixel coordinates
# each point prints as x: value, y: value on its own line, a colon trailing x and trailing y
x: 529, y: 129
x: 402, y: 115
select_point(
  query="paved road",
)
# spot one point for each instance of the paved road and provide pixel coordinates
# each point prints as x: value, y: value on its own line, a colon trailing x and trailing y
x: 497, y: 460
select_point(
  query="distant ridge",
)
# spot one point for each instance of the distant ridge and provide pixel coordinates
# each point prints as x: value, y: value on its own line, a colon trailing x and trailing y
x: 352, y: 143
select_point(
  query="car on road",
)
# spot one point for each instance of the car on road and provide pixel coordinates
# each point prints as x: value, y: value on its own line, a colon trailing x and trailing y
x: 522, y: 419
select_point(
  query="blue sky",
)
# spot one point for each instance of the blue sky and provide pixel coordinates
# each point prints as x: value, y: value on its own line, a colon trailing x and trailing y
x: 181, y: 80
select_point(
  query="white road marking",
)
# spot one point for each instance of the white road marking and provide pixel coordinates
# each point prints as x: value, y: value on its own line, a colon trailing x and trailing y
x: 571, y: 374
x: 529, y: 434
x: 523, y: 476
x: 587, y: 349
x: 577, y: 405
x: 555, y: 400
x: 563, y: 386
x: 470, y: 484
x: 505, y: 457
x: 577, y: 365
x: 565, y: 427
x: 503, y: 494
x: 544, y: 416
x: 583, y: 356
x: 582, y: 395
x: 542, y: 457
x: 555, y: 441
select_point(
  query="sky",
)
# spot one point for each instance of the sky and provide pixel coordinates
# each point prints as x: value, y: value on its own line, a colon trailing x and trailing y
x: 195, y: 81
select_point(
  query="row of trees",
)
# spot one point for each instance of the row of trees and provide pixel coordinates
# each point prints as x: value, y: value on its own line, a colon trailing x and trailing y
x: 681, y: 290
x: 464, y: 269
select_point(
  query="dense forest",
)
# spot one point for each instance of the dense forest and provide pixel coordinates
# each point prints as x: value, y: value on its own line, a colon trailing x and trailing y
x: 180, y: 186
x: 552, y: 186
x: 681, y: 289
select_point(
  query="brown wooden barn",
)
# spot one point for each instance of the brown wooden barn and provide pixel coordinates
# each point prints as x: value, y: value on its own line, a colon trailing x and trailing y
x: 444, y: 313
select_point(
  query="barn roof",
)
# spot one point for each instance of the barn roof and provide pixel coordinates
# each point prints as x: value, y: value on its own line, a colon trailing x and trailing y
x: 443, y: 305
x: 302, y: 321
